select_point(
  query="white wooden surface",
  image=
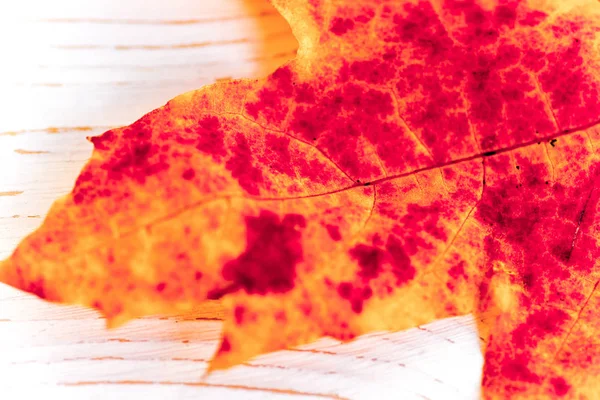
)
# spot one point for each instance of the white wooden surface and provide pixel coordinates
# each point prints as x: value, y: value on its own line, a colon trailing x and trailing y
x: 73, y: 68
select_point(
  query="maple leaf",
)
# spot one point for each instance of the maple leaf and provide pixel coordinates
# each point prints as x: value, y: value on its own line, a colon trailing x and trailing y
x: 417, y: 160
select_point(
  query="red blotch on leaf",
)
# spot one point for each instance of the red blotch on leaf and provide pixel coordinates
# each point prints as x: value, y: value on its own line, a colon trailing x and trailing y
x: 339, y: 26
x: 268, y: 264
x: 188, y: 174
x: 225, y: 345
x: 242, y: 168
x: 239, y: 313
x: 561, y: 387
x: 334, y: 232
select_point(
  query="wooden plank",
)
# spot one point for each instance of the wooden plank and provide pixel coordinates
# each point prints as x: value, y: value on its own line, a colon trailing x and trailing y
x: 69, y: 350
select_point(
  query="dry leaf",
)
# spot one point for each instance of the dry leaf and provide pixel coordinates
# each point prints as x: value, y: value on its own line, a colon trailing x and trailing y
x: 417, y: 160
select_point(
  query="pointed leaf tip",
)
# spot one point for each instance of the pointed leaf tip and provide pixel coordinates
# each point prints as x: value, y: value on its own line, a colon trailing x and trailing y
x: 7, y: 274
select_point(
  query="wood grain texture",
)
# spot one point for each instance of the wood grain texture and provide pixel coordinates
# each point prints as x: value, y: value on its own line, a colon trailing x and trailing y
x: 73, y: 69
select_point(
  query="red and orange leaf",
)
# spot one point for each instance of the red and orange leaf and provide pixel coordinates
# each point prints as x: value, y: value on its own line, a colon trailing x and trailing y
x: 417, y: 160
